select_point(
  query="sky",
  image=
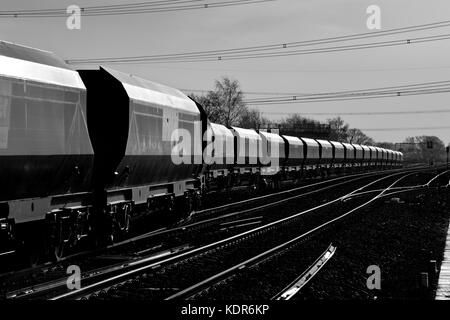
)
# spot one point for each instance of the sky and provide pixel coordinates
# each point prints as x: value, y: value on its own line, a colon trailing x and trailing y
x: 259, y: 24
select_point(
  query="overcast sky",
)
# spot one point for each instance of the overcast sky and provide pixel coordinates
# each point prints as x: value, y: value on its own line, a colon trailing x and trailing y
x: 266, y: 23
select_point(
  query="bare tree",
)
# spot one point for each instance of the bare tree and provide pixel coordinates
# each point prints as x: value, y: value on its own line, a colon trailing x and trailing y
x: 224, y: 104
x: 210, y: 103
x: 424, y: 149
x: 252, y: 119
x: 230, y: 99
x: 339, y: 129
x: 386, y: 145
x: 357, y: 136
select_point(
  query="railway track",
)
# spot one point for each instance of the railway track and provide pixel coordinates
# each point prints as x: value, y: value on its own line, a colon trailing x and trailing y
x: 187, y: 255
x: 294, y: 287
x: 213, y: 212
x: 401, y: 234
x: 240, y: 272
x: 150, y: 243
x: 127, y: 261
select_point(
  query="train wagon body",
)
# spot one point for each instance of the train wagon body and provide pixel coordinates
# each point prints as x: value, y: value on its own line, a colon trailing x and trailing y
x: 383, y: 157
x: 397, y: 158
x: 367, y: 155
x: 388, y: 157
x: 246, y: 150
x: 46, y: 157
x: 391, y: 157
x: 373, y: 156
x: 359, y: 154
x: 338, y: 153
x: 326, y: 153
x: 312, y: 157
x: 147, y: 140
x: 272, y: 153
x: 349, y: 154
x: 379, y: 156
x: 219, y: 151
x: 294, y: 151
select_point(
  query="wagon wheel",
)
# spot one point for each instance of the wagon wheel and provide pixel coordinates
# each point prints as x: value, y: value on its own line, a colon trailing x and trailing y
x: 124, y: 226
x: 190, y: 204
x: 35, y: 251
x: 198, y: 201
x: 59, y: 250
x: 171, y: 205
x: 59, y: 244
x: 33, y: 258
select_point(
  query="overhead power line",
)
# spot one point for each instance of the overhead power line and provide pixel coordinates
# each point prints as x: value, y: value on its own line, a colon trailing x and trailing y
x: 359, y: 113
x: 383, y: 92
x: 335, y: 99
x: 257, y: 54
x: 282, y: 49
x: 132, y: 8
x: 368, y: 93
x: 305, y: 70
x: 291, y: 94
x: 406, y: 128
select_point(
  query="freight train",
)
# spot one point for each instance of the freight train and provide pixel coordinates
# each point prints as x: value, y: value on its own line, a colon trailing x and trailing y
x: 83, y: 153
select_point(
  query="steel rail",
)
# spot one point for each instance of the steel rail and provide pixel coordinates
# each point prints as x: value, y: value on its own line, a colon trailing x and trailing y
x: 437, y: 176
x: 218, y: 209
x: 294, y: 287
x: 99, y: 272
x: 165, y: 230
x: 194, y: 289
x: 185, y: 255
